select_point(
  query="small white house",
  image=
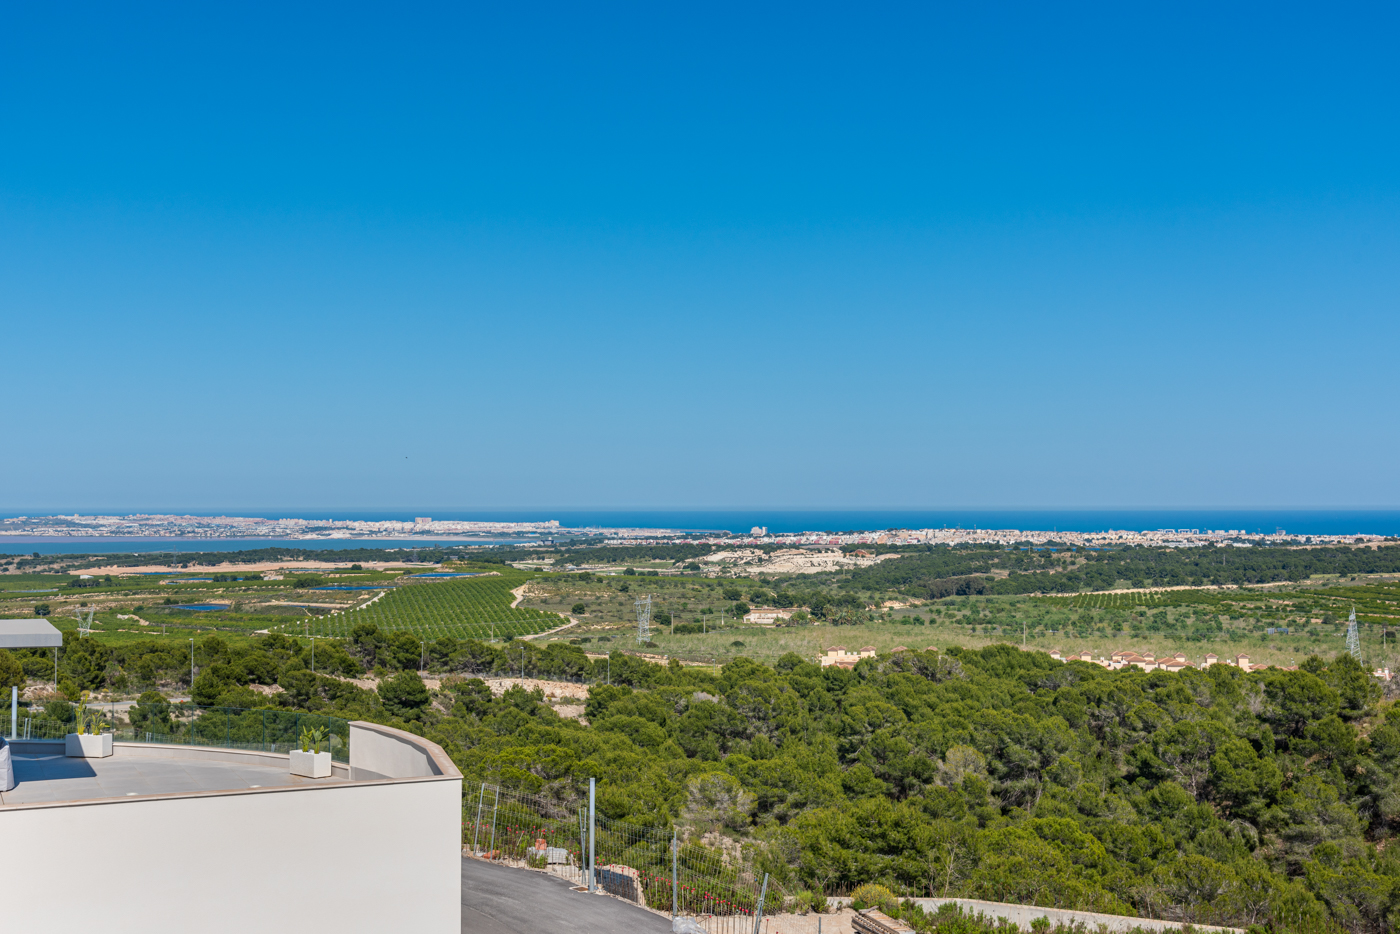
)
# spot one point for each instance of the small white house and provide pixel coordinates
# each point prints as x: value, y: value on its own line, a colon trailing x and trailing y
x: 768, y: 615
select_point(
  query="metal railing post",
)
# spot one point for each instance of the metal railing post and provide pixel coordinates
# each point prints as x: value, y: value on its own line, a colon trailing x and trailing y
x: 476, y: 830
x: 675, y: 896
x: 582, y: 847
x: 758, y: 915
x: 495, y: 809
x: 14, y: 711
x: 592, y: 822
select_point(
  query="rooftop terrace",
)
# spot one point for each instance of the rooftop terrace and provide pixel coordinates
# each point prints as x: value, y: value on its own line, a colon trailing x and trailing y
x: 45, y: 775
x: 388, y: 821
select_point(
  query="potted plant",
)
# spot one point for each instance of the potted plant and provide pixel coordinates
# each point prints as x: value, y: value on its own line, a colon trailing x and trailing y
x: 88, y: 741
x: 309, y: 761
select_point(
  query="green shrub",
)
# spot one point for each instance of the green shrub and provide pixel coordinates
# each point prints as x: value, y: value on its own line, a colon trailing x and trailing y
x: 871, y: 895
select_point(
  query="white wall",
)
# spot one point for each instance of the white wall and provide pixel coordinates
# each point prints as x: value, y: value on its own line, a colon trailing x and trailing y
x: 341, y: 857
x: 380, y: 752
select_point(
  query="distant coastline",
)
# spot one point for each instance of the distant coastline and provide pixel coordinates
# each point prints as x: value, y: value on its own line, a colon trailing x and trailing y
x: 78, y: 533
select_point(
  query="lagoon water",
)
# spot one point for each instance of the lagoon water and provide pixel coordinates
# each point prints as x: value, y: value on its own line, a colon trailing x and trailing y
x: 163, y: 550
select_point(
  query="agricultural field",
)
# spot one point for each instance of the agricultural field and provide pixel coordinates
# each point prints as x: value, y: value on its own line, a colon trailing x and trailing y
x: 321, y: 603
x: 1195, y: 622
x: 1375, y: 603
x: 474, y: 608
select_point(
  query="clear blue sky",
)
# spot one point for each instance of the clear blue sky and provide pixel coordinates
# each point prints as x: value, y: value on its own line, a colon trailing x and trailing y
x: 353, y: 256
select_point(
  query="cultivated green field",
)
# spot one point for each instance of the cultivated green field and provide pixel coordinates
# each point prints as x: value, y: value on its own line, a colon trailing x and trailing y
x: 476, y: 608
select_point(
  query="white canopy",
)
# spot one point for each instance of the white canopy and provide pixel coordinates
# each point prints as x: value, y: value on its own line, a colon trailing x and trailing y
x: 28, y: 634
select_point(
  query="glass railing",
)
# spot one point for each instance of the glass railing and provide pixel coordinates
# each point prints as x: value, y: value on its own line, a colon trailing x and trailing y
x: 265, y: 729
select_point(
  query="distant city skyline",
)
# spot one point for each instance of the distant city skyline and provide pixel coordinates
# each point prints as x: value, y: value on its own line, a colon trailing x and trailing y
x: 687, y: 257
x: 145, y: 530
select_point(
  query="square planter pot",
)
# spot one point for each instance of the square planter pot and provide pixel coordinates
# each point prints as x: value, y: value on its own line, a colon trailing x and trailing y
x: 87, y: 746
x: 311, y: 764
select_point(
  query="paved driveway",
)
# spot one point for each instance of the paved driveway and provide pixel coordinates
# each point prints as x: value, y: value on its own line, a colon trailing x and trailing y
x: 501, y: 900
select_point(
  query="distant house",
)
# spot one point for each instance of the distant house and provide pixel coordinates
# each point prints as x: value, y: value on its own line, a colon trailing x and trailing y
x: 838, y: 655
x: 1211, y: 659
x: 767, y: 615
x: 1241, y: 662
x: 1124, y: 658
x: 900, y: 648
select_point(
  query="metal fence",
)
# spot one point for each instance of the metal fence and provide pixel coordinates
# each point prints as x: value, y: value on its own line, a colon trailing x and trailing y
x: 709, y: 879
x: 265, y: 730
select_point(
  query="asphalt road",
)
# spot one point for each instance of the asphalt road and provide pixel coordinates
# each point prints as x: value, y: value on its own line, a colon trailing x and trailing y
x: 501, y: 900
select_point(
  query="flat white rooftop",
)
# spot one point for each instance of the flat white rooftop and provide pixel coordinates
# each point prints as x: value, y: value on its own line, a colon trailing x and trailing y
x: 44, y: 778
x: 28, y: 634
x: 382, y: 836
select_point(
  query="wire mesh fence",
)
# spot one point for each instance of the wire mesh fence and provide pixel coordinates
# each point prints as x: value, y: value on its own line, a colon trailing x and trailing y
x: 709, y: 879
x: 528, y: 831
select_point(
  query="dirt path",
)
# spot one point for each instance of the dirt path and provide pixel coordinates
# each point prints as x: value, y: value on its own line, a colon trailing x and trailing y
x: 540, y: 635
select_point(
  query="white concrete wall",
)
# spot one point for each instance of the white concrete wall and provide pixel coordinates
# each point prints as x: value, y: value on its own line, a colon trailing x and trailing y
x: 340, y: 857
x: 380, y: 752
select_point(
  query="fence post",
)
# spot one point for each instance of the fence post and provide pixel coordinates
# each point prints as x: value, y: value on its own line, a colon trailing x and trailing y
x: 495, y: 809
x: 675, y: 898
x: 582, y: 847
x: 758, y: 915
x: 481, y: 797
x: 264, y: 739
x: 592, y: 821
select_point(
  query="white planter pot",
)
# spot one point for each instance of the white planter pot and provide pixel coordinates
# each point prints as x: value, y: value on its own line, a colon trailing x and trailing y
x: 311, y: 764
x: 87, y: 746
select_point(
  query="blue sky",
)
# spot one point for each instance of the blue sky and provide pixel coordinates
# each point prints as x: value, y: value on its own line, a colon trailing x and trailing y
x: 352, y: 256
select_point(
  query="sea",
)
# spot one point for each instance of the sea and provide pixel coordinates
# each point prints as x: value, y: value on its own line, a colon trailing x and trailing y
x: 742, y: 520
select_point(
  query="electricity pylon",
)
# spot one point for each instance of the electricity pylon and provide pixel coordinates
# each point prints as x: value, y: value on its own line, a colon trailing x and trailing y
x: 1353, y: 636
x: 644, y: 619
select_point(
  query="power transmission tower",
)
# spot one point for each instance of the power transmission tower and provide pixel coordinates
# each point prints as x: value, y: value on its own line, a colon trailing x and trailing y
x: 1353, y: 636
x: 85, y: 626
x: 644, y: 619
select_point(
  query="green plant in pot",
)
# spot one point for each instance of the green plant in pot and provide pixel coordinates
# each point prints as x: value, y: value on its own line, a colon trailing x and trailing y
x: 89, y: 722
x: 87, y: 739
x: 312, y: 739
x: 310, y: 761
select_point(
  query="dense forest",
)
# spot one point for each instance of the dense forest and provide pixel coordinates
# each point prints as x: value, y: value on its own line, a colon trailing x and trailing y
x: 936, y: 571
x: 1215, y: 796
